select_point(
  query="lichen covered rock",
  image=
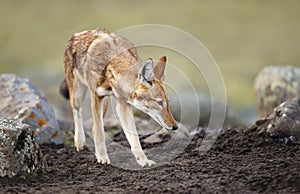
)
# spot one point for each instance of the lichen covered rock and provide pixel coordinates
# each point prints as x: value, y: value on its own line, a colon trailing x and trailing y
x: 285, y: 119
x: 274, y: 85
x: 19, y: 152
x: 20, y: 100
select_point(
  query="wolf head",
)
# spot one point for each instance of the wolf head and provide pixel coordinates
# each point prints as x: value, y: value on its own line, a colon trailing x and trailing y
x: 150, y: 95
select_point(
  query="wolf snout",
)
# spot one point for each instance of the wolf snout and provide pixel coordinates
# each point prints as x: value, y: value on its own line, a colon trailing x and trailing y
x: 171, y: 128
x: 174, y: 127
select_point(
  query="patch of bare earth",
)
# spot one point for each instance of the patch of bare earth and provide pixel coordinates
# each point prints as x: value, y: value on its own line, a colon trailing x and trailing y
x: 241, y: 160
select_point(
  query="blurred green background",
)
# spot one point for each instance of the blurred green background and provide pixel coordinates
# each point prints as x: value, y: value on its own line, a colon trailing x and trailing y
x: 242, y: 35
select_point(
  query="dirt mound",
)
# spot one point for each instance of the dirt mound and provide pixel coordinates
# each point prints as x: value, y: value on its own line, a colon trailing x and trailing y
x: 241, y: 160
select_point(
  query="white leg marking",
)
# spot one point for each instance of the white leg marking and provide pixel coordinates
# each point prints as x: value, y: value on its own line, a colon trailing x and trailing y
x: 98, y: 130
x: 79, y: 136
x: 126, y: 117
x: 79, y: 92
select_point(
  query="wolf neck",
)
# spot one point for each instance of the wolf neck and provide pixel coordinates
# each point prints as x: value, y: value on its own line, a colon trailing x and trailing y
x: 125, y: 79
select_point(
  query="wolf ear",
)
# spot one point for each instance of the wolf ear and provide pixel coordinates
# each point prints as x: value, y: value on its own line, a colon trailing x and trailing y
x: 160, y: 68
x: 146, y: 74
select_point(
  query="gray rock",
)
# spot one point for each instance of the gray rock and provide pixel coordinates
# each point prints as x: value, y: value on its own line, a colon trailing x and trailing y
x: 66, y: 126
x: 20, y: 100
x: 285, y: 119
x: 19, y: 152
x: 274, y: 85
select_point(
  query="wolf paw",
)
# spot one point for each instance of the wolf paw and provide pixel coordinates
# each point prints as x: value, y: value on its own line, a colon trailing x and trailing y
x: 79, y: 146
x: 79, y: 143
x: 144, y: 162
x: 103, y: 159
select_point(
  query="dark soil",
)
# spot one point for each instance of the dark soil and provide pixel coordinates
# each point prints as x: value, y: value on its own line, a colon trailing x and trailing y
x: 241, y: 161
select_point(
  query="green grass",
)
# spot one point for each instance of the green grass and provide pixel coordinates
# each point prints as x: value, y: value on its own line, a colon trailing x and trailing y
x: 243, y: 36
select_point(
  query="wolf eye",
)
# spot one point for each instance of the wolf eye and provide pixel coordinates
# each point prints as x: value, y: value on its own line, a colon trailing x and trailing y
x: 160, y: 102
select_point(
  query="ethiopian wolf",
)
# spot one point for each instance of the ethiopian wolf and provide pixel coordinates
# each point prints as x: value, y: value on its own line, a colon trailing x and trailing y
x: 108, y: 64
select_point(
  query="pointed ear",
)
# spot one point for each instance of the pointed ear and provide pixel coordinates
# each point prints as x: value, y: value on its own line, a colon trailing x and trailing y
x: 160, y: 68
x: 146, y: 74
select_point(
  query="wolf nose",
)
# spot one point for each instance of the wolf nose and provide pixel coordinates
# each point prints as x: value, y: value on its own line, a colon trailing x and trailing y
x: 175, y: 127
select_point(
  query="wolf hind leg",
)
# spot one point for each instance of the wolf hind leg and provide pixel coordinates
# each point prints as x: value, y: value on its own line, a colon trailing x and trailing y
x: 98, y: 112
x: 77, y: 95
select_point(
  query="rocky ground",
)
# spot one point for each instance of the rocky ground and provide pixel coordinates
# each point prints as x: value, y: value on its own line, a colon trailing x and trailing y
x: 241, y: 160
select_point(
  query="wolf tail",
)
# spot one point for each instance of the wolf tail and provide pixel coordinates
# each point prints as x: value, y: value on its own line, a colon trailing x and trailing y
x: 64, y: 90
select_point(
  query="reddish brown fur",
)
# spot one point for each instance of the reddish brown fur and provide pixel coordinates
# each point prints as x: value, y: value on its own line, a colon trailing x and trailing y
x: 102, y: 56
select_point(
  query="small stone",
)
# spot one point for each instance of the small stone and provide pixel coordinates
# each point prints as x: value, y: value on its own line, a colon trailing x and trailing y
x: 287, y: 121
x: 61, y: 151
x: 153, y: 139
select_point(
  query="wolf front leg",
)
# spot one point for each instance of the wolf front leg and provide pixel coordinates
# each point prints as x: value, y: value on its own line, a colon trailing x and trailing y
x: 126, y: 117
x: 98, y: 129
